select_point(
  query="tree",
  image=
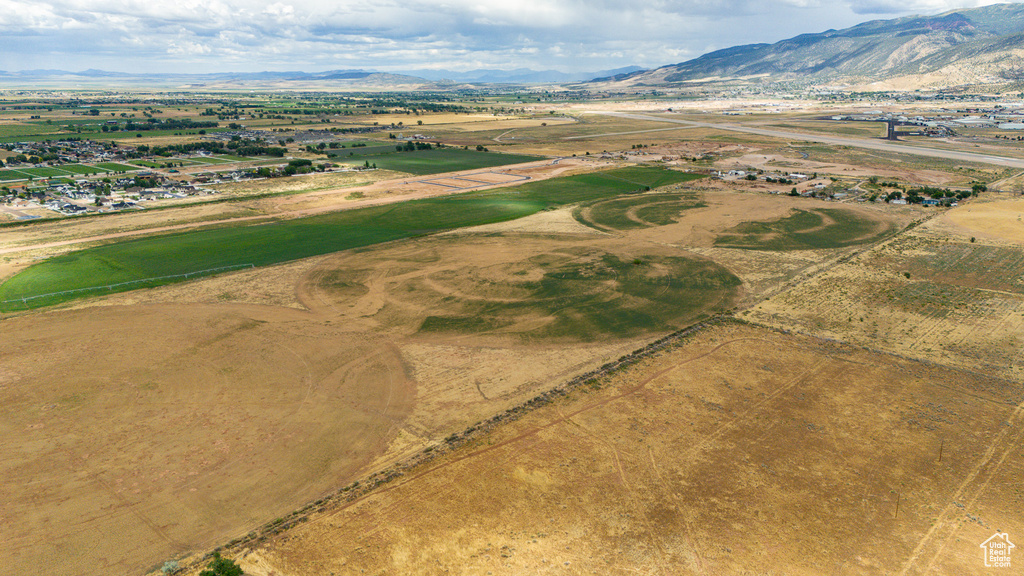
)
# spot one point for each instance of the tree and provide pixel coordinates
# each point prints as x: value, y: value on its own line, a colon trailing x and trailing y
x: 222, y: 567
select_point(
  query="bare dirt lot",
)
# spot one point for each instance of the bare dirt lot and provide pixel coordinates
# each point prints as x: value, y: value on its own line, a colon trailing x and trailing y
x: 785, y: 443
x: 1001, y: 219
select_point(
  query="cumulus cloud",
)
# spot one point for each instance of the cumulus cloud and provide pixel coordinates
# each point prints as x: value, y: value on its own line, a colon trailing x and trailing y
x: 216, y: 35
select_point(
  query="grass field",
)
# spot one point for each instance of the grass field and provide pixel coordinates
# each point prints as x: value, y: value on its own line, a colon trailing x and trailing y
x: 144, y: 163
x: 210, y: 160
x: 45, y: 172
x: 82, y: 169
x: 436, y: 161
x: 636, y: 212
x: 805, y: 230
x: 116, y: 167
x: 292, y: 239
x: 9, y: 175
x: 589, y: 296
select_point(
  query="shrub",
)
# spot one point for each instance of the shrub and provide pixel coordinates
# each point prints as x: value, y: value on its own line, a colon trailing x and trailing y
x: 220, y: 566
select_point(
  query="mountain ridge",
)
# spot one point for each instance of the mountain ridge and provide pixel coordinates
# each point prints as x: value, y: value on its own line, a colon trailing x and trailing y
x: 965, y: 46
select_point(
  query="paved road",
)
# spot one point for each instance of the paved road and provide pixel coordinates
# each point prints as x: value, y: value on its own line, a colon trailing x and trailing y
x: 882, y: 145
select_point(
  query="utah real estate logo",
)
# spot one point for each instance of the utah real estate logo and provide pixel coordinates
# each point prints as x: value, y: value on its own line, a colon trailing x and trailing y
x: 997, y: 550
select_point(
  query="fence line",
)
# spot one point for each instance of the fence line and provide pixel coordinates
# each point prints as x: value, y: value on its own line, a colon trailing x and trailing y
x: 25, y: 299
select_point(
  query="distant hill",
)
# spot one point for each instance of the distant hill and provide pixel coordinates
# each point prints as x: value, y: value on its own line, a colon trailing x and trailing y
x: 331, y: 79
x: 518, y: 76
x: 972, y: 46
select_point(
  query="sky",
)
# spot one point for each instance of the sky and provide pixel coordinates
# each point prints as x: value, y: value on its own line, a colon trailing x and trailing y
x: 201, y: 36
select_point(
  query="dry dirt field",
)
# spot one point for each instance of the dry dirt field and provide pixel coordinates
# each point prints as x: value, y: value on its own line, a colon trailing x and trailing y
x: 735, y: 452
x: 149, y: 425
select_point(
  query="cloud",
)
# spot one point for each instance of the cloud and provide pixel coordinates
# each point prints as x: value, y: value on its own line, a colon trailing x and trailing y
x: 216, y: 35
x: 895, y: 7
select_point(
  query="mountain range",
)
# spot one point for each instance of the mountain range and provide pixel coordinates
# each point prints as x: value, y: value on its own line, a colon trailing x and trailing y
x: 330, y: 78
x: 958, y: 48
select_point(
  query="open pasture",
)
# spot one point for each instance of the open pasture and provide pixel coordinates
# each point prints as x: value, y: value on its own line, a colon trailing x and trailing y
x: 45, y: 172
x: 923, y: 295
x: 11, y: 175
x: 274, y: 242
x: 379, y: 357
x: 220, y: 404
x: 814, y: 229
x: 82, y: 169
x: 115, y: 167
x: 639, y: 211
x: 436, y: 161
x: 785, y: 443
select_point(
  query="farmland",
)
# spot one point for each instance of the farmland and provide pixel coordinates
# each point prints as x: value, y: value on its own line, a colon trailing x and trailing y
x: 804, y: 230
x: 612, y: 359
x: 435, y: 161
x: 644, y: 470
x: 929, y: 293
x: 270, y: 243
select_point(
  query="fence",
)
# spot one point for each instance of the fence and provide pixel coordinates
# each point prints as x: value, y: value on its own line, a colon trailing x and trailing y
x: 110, y: 287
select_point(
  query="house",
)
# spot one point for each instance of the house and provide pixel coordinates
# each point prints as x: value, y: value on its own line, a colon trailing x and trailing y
x: 929, y: 202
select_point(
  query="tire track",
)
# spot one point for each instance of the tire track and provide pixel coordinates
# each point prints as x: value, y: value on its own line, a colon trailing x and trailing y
x: 946, y: 520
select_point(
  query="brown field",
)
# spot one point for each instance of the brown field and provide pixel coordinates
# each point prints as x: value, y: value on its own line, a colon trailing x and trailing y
x: 999, y: 220
x: 736, y: 452
x: 362, y: 359
x: 931, y: 293
x: 867, y: 420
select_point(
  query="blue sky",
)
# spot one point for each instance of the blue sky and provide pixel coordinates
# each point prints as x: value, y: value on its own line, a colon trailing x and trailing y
x: 316, y: 35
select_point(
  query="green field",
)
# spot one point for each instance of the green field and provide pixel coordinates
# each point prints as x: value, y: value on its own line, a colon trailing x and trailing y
x: 232, y: 158
x: 115, y: 167
x: 45, y: 172
x: 14, y: 132
x: 821, y: 228
x: 585, y: 296
x: 144, y: 163
x: 210, y: 160
x: 641, y: 211
x: 82, y: 169
x: 436, y: 161
x: 9, y: 175
x: 281, y: 241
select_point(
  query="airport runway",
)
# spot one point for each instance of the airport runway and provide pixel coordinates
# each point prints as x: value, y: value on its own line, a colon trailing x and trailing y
x: 881, y: 145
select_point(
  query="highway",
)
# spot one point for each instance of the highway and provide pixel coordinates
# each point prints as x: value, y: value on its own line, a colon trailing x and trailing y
x: 880, y: 145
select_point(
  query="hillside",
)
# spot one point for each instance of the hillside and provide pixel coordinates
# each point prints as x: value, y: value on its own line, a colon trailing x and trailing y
x: 975, y: 46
